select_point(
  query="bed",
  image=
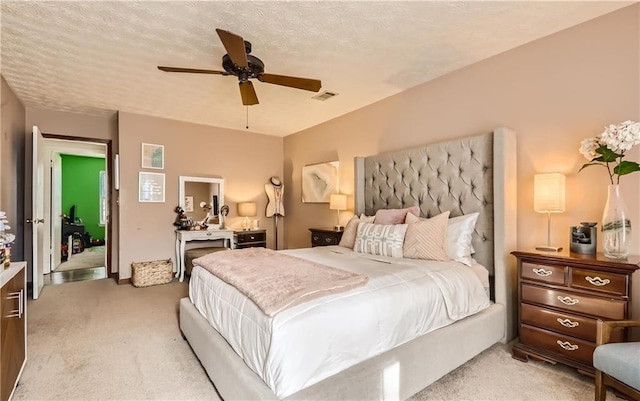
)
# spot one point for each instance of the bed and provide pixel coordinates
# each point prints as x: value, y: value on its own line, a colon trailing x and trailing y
x: 472, y: 174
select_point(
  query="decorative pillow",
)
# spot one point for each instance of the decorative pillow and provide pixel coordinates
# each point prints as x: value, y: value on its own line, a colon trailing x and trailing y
x: 380, y: 239
x: 459, y: 238
x: 395, y: 216
x: 426, y: 238
x: 348, y: 239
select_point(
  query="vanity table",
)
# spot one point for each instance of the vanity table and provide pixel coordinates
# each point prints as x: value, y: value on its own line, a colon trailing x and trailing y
x: 184, y: 236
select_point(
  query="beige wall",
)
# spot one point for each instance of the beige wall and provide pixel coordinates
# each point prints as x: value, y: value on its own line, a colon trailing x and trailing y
x: 12, y: 165
x: 77, y: 125
x: 245, y: 160
x: 553, y: 92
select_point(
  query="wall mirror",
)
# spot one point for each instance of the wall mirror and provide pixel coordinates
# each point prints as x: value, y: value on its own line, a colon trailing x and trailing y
x: 195, y: 191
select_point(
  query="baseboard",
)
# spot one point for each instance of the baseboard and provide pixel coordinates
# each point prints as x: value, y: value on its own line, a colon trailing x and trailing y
x: 122, y: 281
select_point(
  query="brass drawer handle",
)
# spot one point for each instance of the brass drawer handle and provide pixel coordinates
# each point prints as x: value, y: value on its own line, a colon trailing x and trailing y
x: 328, y: 239
x: 597, y: 281
x: 315, y: 237
x: 542, y: 272
x: 568, y: 323
x: 567, y: 345
x: 568, y: 300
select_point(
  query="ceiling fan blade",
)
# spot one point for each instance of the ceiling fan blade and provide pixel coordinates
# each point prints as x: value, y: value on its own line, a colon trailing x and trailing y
x: 313, y: 85
x: 234, y: 45
x: 193, y: 70
x: 248, y: 94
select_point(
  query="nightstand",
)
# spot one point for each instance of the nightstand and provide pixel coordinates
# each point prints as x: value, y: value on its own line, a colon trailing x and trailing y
x: 250, y: 238
x: 325, y: 236
x: 561, y: 296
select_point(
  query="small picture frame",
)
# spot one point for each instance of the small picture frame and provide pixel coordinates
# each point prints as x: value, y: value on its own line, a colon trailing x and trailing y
x: 152, y: 156
x: 188, y: 203
x: 150, y: 187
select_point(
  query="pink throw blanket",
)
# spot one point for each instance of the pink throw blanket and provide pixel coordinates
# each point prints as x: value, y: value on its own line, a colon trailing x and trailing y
x: 274, y: 281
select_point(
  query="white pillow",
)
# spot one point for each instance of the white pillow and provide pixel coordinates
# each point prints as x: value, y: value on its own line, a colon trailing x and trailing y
x: 459, y: 233
x: 380, y: 239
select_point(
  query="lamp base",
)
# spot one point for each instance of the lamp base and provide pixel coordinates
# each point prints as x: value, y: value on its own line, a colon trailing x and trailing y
x: 548, y: 248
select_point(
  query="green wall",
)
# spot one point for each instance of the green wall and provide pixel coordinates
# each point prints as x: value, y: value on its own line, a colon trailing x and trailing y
x: 81, y: 187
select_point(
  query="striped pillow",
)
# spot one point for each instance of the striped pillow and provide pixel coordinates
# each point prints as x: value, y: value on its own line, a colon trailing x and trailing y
x: 426, y: 238
x: 380, y: 239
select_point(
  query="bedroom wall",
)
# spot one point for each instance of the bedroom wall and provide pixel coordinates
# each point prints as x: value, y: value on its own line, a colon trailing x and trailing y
x: 12, y: 145
x: 245, y: 160
x: 78, y: 125
x: 553, y: 92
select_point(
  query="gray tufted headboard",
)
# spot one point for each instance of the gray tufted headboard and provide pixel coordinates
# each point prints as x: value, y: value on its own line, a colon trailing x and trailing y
x: 455, y: 175
x: 472, y: 174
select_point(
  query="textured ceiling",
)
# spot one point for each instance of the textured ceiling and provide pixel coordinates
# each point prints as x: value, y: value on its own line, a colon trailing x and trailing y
x: 97, y: 57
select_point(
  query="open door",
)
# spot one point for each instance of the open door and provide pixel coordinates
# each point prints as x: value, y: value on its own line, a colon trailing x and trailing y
x: 37, y: 214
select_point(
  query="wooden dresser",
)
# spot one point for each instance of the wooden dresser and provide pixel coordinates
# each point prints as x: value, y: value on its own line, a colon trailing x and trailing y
x: 325, y: 236
x: 561, y: 296
x: 13, y: 335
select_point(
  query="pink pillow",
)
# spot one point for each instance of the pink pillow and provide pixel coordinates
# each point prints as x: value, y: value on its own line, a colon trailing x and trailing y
x: 395, y: 216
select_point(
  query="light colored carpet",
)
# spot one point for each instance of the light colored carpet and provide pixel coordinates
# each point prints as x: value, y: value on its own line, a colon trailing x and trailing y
x: 95, y: 340
x: 90, y: 257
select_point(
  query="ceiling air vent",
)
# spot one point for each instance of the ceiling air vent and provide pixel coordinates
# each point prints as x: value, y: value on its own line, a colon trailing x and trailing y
x: 324, y: 96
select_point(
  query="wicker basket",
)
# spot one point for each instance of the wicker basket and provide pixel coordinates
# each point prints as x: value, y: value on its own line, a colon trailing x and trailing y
x: 144, y: 274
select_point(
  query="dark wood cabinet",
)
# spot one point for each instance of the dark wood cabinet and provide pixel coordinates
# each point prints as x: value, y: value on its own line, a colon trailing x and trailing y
x: 250, y: 239
x: 13, y: 327
x: 325, y: 236
x: 561, y: 296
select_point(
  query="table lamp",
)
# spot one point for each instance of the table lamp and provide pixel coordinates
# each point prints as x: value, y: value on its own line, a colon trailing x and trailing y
x: 548, y: 197
x: 246, y: 210
x: 338, y: 202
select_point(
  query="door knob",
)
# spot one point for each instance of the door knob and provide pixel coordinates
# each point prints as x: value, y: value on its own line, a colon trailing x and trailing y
x: 35, y: 221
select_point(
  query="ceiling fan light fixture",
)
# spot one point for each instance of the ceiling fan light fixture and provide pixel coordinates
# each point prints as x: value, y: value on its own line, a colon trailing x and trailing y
x: 324, y: 96
x: 238, y: 62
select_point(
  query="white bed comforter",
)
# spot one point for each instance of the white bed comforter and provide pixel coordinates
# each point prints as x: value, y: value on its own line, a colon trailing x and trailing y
x: 300, y: 346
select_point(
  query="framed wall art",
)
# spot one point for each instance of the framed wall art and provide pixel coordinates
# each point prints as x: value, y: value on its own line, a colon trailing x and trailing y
x: 150, y: 187
x: 152, y: 156
x: 319, y: 181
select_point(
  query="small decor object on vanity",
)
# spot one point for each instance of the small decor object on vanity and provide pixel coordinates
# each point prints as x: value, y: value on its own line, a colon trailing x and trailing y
x: 583, y: 238
x: 608, y: 150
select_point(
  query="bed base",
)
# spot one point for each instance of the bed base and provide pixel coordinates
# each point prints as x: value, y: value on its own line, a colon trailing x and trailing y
x: 395, y: 374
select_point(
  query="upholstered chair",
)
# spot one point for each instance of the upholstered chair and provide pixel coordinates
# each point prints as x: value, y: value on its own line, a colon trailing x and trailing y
x: 617, y: 364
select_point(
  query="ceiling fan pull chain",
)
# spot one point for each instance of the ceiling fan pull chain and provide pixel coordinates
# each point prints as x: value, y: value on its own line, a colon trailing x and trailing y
x: 247, y: 117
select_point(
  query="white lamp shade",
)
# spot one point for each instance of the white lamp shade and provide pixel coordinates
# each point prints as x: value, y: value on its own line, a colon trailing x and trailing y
x: 549, y: 193
x: 247, y: 209
x: 338, y: 202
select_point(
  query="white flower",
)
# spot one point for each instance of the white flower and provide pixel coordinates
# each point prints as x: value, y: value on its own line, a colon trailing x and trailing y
x: 588, y: 148
x: 621, y: 137
x: 608, y: 149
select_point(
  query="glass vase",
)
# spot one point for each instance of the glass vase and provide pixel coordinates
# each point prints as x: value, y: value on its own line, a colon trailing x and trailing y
x: 616, y: 226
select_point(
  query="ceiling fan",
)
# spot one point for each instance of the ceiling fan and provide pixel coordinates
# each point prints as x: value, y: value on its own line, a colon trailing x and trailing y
x: 240, y: 63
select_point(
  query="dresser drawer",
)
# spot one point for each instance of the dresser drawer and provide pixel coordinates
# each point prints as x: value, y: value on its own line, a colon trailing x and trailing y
x: 560, y: 344
x: 251, y: 237
x: 599, y: 281
x: 566, y: 323
x: 572, y: 302
x: 545, y: 273
x: 321, y: 239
